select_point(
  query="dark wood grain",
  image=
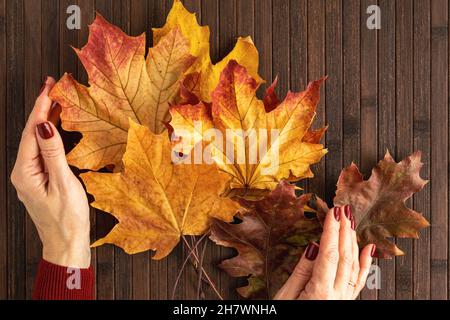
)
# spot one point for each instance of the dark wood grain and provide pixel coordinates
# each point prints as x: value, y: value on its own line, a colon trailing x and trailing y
x: 33, y: 77
x: 422, y: 134
x: 439, y: 149
x: 333, y: 95
x: 4, y: 177
x: 316, y: 70
x: 15, y: 102
x: 404, y: 119
x: 387, y: 89
x: 386, y: 119
x: 369, y: 103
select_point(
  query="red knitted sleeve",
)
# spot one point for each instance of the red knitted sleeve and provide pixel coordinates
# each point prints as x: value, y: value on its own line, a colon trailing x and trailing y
x: 55, y: 282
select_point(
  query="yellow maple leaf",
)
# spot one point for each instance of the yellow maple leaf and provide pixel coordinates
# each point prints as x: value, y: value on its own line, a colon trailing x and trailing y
x: 207, y: 74
x: 123, y: 84
x: 156, y: 201
x: 257, y: 148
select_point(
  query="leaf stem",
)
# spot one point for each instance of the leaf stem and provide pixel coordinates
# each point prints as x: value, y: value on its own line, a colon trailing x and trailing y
x: 211, y: 283
x: 183, y: 266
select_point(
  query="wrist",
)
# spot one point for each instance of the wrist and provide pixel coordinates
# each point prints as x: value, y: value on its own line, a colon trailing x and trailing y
x: 75, y: 254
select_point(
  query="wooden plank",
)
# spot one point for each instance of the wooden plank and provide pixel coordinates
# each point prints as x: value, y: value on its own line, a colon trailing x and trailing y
x: 141, y: 261
x: 439, y: 147
x: 422, y: 130
x: 16, y: 120
x: 245, y: 18
x: 280, y: 46
x: 33, y: 83
x: 333, y: 96
x: 404, y: 133
x: 369, y: 104
x: 3, y: 165
x: 3, y: 160
x: 263, y: 38
x: 298, y: 44
x: 386, y: 121
x: 87, y: 17
x: 104, y: 221
x: 158, y: 269
x: 316, y: 70
x: 227, y: 40
x: 351, y: 44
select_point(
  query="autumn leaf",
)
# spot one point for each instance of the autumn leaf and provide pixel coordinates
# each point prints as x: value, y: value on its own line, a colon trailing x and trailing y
x: 243, y: 126
x: 155, y: 201
x: 271, y: 102
x: 123, y: 84
x: 270, y: 239
x: 203, y: 76
x: 378, y: 204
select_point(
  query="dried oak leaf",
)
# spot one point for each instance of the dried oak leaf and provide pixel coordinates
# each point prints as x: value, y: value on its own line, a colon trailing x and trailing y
x: 244, y: 126
x: 203, y: 77
x: 270, y: 239
x: 123, y: 84
x: 378, y: 204
x: 155, y: 201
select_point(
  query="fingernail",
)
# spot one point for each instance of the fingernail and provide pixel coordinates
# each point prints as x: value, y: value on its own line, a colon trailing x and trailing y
x: 353, y: 223
x: 311, y: 251
x: 348, y: 212
x: 337, y: 213
x: 372, y: 252
x: 43, y: 85
x: 45, y: 130
x: 54, y: 105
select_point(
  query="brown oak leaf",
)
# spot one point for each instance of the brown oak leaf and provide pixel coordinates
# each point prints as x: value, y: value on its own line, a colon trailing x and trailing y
x: 378, y: 204
x: 270, y: 239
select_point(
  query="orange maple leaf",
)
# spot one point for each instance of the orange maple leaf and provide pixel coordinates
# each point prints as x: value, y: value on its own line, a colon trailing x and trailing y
x: 123, y: 84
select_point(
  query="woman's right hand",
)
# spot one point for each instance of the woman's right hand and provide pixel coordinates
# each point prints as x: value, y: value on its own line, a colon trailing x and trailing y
x: 335, y: 270
x: 52, y: 195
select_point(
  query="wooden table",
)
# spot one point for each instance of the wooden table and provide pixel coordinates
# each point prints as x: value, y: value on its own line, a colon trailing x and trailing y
x: 388, y: 89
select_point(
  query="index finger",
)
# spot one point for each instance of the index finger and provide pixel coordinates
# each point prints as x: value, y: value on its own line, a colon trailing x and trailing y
x: 28, y: 148
x: 324, y: 273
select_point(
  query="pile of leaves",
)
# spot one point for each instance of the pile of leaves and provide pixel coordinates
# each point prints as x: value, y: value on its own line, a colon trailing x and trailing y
x: 139, y: 113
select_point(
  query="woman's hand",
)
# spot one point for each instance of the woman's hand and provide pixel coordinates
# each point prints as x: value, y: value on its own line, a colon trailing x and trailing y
x: 335, y: 270
x: 52, y: 195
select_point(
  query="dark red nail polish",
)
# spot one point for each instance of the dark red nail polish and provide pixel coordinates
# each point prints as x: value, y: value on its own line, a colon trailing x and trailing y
x: 348, y: 212
x: 43, y: 85
x: 337, y: 213
x: 372, y: 252
x: 45, y: 130
x: 312, y: 250
x: 353, y: 223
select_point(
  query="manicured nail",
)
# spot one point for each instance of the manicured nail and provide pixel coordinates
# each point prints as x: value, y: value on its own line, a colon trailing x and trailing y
x: 43, y: 85
x: 45, y: 130
x: 337, y: 213
x: 353, y: 223
x: 348, y: 212
x: 372, y: 252
x: 311, y: 251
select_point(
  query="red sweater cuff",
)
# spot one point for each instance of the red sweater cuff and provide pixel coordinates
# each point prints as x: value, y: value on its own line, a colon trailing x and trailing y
x: 55, y: 282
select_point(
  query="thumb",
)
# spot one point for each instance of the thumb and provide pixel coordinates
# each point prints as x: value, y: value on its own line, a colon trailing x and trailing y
x: 52, y: 150
x: 300, y: 276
